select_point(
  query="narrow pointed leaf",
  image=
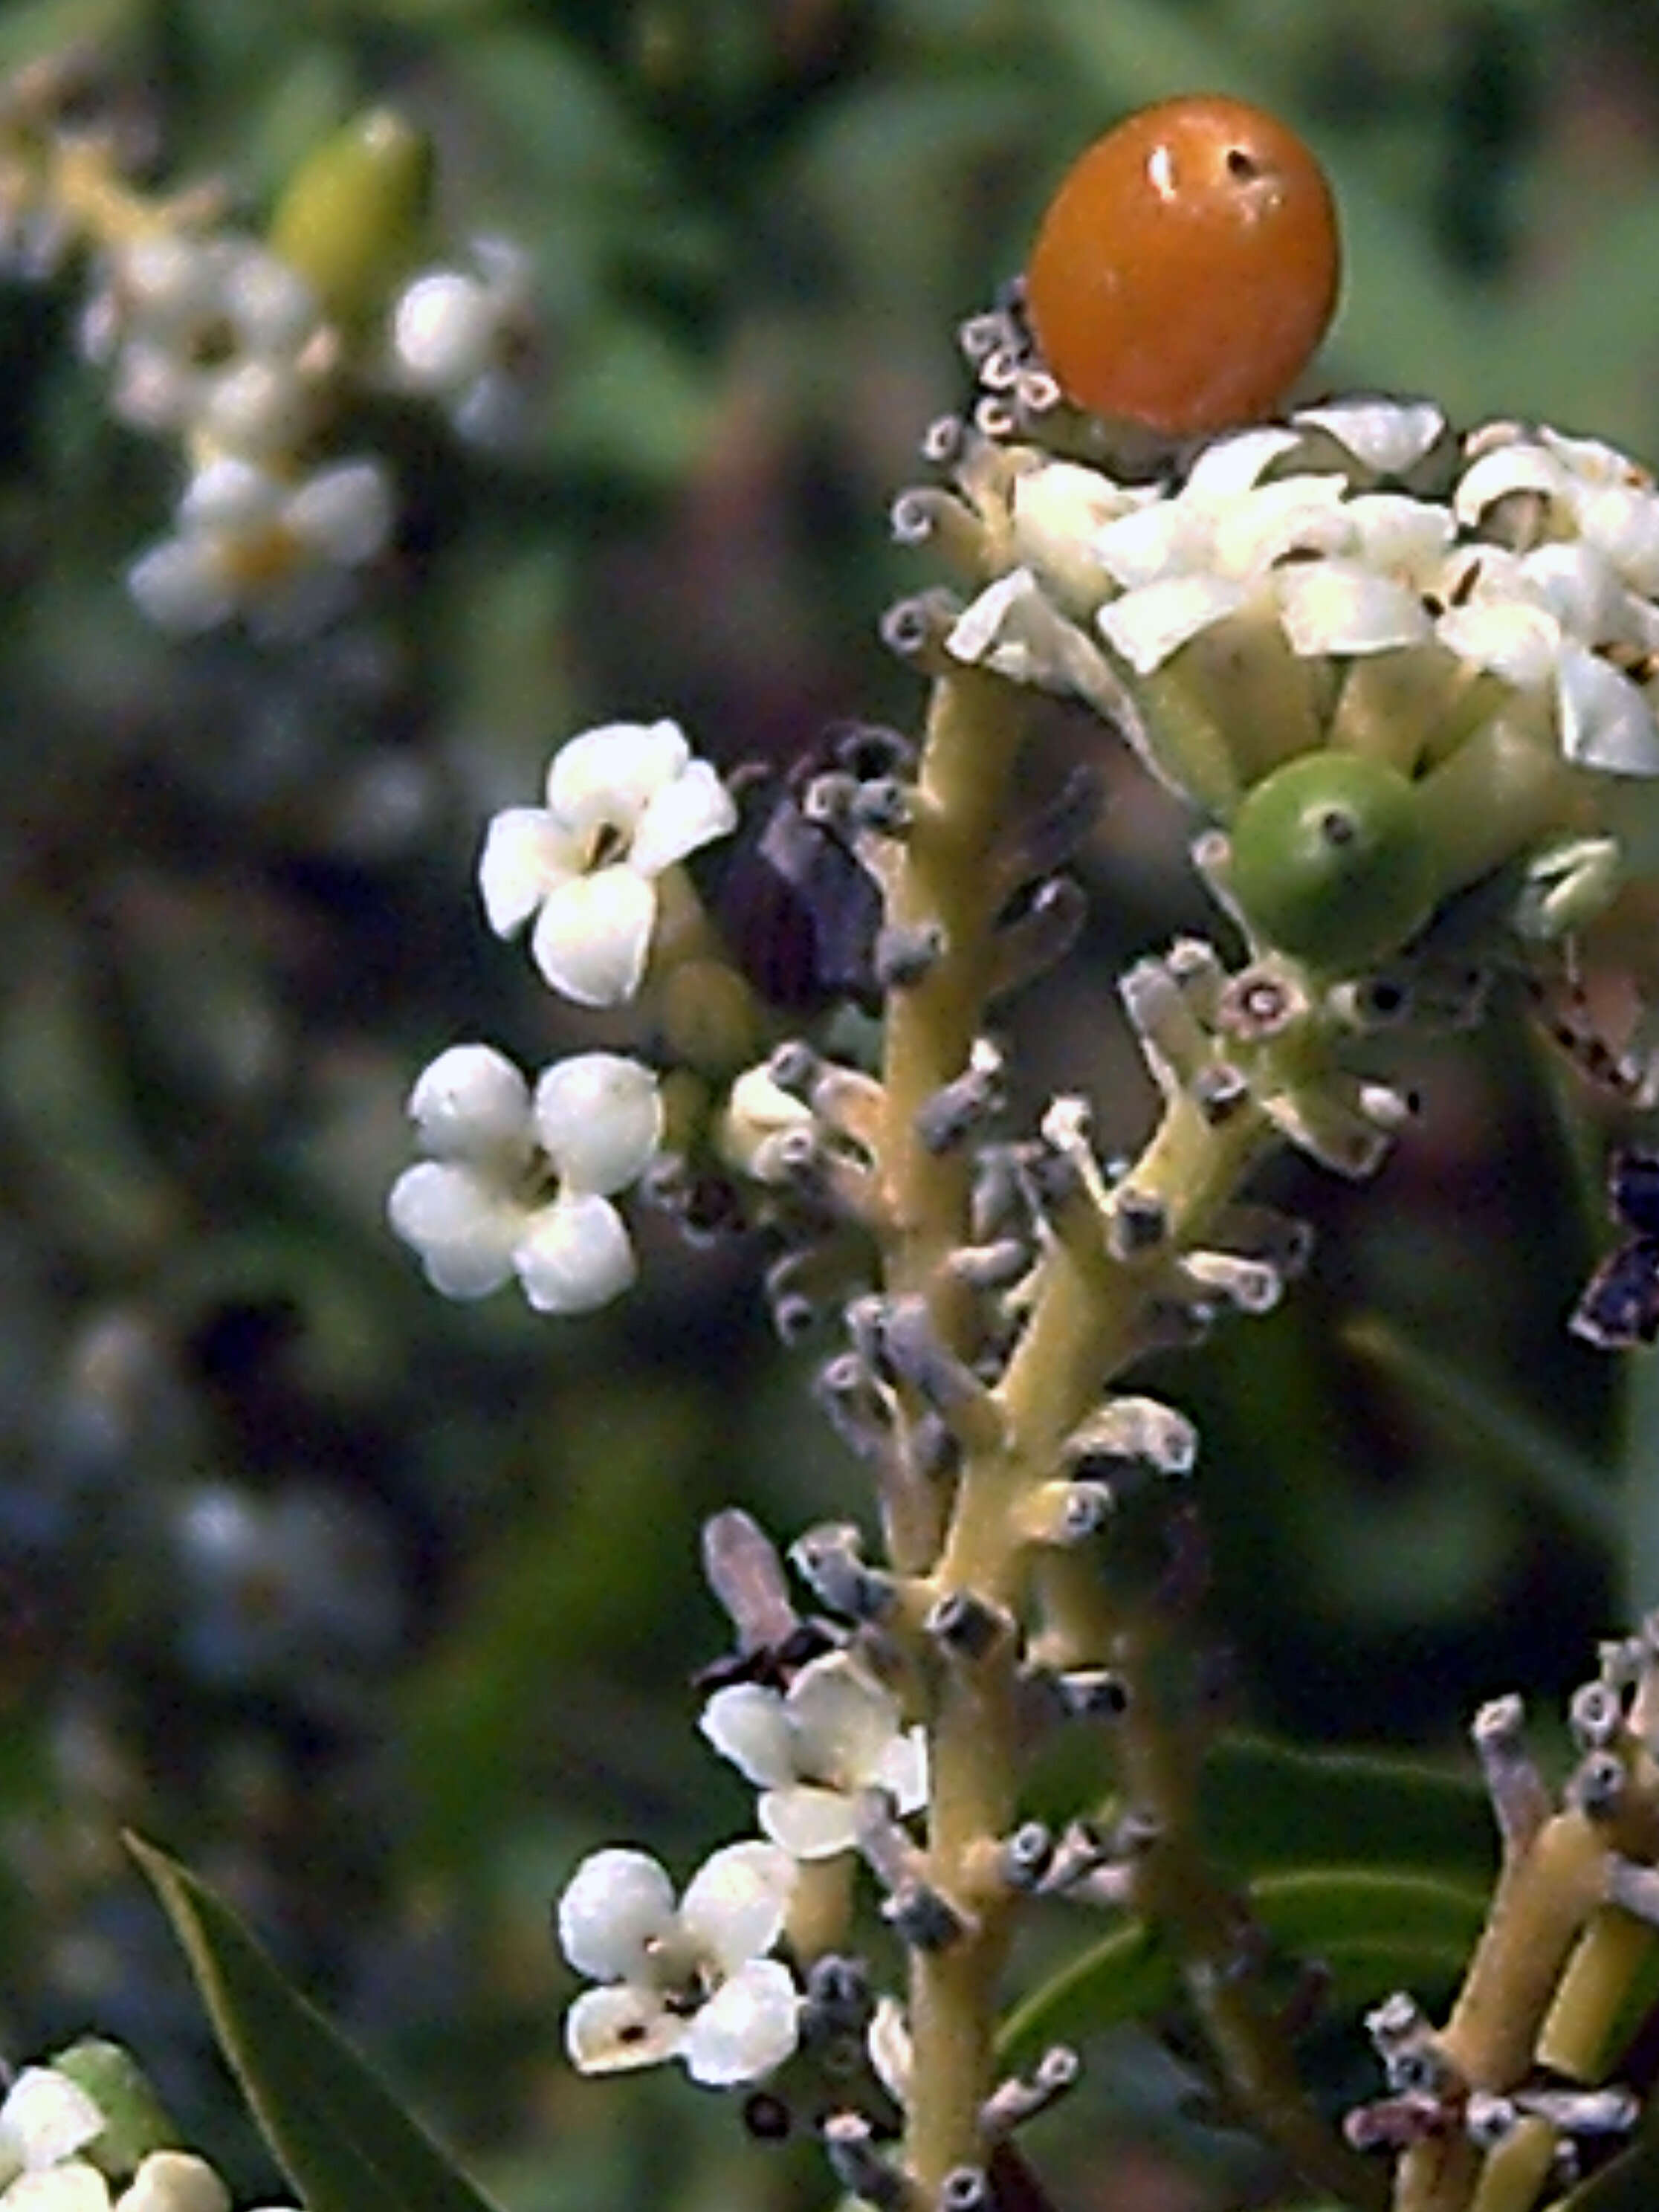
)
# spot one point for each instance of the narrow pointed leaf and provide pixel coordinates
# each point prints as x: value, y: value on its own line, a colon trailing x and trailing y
x: 340, y: 2135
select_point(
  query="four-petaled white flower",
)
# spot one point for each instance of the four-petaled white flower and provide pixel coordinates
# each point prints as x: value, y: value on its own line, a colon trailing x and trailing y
x: 624, y: 803
x: 815, y: 1750
x: 690, y: 1982
x: 520, y: 1183
x: 250, y: 544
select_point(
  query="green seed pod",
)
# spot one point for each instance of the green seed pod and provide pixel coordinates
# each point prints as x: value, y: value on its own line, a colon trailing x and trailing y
x: 351, y: 217
x: 1333, y: 861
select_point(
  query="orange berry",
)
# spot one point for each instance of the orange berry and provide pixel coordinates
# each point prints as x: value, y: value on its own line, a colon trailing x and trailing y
x: 1186, y: 267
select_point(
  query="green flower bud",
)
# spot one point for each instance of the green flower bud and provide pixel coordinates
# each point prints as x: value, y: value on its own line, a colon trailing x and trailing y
x: 135, y: 2124
x: 1331, y: 861
x: 353, y: 213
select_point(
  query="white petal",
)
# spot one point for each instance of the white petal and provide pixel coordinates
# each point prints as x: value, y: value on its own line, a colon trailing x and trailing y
x: 1624, y: 523
x: 615, y: 1902
x: 747, y: 1724
x: 182, y: 585
x: 902, y: 1772
x: 470, y: 1103
x: 1153, y: 543
x: 1145, y: 627
x: 991, y: 624
x: 273, y: 308
x: 574, y: 1257
x: 600, y: 1118
x: 524, y: 856
x: 1301, y: 513
x: 45, y: 2118
x: 747, y: 2029
x: 1606, y: 722
x: 1236, y: 464
x: 1388, y: 435
x: 1578, y: 586
x: 465, y: 1231
x: 261, y: 408
x: 74, y: 2186
x: 808, y: 1822
x: 343, y: 513
x: 1521, y: 466
x: 1345, y: 607
x: 612, y: 2031
x: 174, y: 2181
x: 443, y: 330
x: 734, y: 1905
x: 606, y: 776
x: 1519, y: 643
x: 681, y: 817
x: 227, y: 494
x: 887, y: 2039
x: 1060, y: 509
x: 593, y: 936
x: 1397, y: 532
x: 842, y: 1720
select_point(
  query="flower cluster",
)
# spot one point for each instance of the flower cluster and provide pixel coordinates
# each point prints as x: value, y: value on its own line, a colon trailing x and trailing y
x: 519, y: 1183
x: 1478, y: 616
x: 836, y: 1768
x: 57, y: 2151
x: 241, y: 351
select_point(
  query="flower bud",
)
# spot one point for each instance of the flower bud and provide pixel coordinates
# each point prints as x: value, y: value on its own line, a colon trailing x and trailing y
x: 351, y: 216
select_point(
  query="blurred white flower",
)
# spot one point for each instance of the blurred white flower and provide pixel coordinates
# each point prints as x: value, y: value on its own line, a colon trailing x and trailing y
x: 464, y: 339
x: 214, y: 337
x: 174, y: 2181
x: 519, y: 1183
x: 690, y: 1982
x: 815, y: 1749
x: 624, y: 803
x: 250, y: 544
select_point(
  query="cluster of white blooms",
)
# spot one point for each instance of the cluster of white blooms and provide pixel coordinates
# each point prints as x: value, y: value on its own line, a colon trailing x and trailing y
x: 697, y: 1983
x: 214, y: 341
x: 1354, y: 532
x: 520, y: 1182
x: 47, y: 2121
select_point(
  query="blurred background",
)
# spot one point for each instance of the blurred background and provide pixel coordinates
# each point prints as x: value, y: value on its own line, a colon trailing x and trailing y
x: 381, y: 1610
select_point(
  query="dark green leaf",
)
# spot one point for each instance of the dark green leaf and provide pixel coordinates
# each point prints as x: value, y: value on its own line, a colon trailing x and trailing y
x: 341, y: 2138
x: 1375, y: 1932
x: 1268, y: 1807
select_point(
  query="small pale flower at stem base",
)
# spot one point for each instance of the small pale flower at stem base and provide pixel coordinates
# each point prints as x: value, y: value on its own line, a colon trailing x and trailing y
x: 690, y: 1981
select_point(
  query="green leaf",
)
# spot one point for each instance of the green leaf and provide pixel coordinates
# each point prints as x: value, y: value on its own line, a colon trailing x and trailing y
x: 1130, y: 1975
x: 341, y: 2138
x: 1375, y: 1932
x: 1270, y: 1806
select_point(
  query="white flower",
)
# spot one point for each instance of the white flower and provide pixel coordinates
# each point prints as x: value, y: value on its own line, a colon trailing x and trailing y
x: 1339, y: 574
x: 249, y: 543
x: 691, y: 1982
x: 462, y: 338
x: 521, y: 1184
x: 210, y: 337
x: 174, y: 2181
x: 624, y: 803
x: 815, y: 1749
x: 45, y: 2120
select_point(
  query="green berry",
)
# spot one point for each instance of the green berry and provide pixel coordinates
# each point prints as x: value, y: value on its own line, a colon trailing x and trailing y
x: 1333, y: 861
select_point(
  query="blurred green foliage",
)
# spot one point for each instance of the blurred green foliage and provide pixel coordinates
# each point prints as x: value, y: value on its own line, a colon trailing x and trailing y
x: 237, y: 918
